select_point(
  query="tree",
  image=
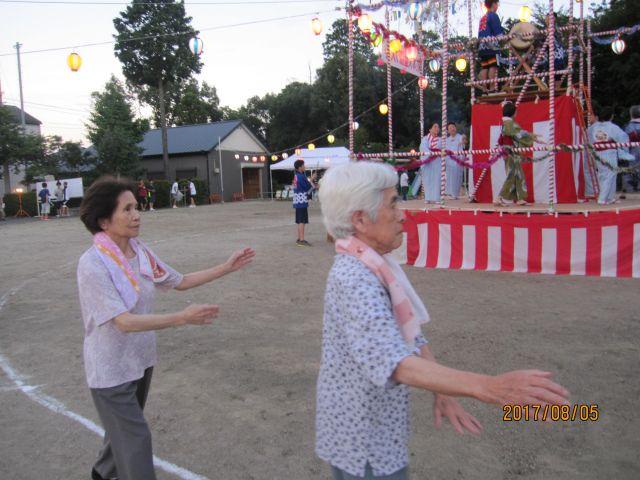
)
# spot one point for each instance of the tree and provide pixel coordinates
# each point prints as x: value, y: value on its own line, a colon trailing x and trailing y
x: 15, y: 147
x: 615, y: 77
x: 152, y: 44
x: 114, y: 131
x: 197, y: 104
x: 56, y: 158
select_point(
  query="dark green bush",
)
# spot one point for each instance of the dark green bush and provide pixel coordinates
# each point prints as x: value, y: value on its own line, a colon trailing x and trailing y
x: 28, y: 203
x: 163, y: 193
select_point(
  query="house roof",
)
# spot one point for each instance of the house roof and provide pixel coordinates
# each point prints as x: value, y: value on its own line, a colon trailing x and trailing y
x: 29, y: 119
x: 188, y: 138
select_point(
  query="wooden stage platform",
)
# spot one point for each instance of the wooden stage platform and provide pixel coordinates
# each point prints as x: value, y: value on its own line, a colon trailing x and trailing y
x: 632, y: 202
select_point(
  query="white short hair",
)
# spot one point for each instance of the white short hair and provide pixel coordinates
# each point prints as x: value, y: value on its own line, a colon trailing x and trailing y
x: 356, y: 186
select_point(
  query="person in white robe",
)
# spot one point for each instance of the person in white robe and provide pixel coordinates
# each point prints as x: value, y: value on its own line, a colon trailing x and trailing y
x: 454, y: 170
x: 430, y: 172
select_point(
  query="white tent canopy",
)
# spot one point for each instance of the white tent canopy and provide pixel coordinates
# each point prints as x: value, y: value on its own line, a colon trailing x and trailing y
x: 317, y: 159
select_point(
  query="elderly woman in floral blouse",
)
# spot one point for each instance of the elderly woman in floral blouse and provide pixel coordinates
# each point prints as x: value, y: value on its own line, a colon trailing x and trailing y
x: 373, y: 348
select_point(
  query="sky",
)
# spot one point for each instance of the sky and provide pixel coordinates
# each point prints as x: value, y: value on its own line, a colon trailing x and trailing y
x: 239, y: 60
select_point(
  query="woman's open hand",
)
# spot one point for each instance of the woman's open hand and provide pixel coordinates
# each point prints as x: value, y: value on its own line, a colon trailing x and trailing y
x: 200, y: 314
x: 526, y: 387
x: 450, y: 408
x: 239, y: 259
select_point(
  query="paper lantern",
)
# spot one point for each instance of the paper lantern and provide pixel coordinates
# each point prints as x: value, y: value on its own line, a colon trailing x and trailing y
x: 237, y: 156
x: 365, y: 23
x: 380, y: 62
x: 434, y: 65
x: 618, y: 46
x: 331, y: 138
x: 274, y: 158
x: 285, y: 155
x: 395, y: 45
x: 196, y: 45
x: 415, y: 10
x: 262, y: 158
x: 525, y: 14
x: 254, y: 159
x: 376, y: 39
x: 412, y: 52
x: 316, y: 26
x: 383, y: 108
x: 413, y: 150
x: 356, y: 125
x: 298, y: 151
x: 246, y: 158
x: 311, y: 146
x: 461, y: 64
x: 74, y: 61
x: 423, y: 83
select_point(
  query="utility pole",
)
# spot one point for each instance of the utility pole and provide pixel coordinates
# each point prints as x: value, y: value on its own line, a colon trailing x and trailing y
x: 23, y: 121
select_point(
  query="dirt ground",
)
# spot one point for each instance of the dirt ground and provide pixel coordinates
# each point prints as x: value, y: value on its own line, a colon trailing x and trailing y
x: 235, y: 400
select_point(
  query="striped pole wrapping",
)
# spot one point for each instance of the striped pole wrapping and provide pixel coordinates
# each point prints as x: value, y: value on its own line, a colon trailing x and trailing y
x: 445, y: 69
x: 350, y: 36
x: 472, y: 66
x: 584, y: 40
x: 420, y: 90
x: 589, y: 71
x: 552, y: 106
x: 389, y: 87
x: 516, y: 77
x: 570, y: 78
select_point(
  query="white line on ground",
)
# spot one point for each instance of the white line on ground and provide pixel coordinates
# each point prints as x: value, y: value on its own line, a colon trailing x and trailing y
x: 58, y: 407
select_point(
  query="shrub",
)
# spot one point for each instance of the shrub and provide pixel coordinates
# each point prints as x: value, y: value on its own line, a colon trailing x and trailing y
x: 28, y: 203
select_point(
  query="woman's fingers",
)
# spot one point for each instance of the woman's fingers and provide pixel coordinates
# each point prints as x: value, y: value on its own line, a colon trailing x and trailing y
x: 469, y: 425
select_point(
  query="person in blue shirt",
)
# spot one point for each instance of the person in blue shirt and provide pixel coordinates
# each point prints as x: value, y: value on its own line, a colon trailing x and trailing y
x: 45, y: 206
x: 301, y: 187
x: 490, y: 26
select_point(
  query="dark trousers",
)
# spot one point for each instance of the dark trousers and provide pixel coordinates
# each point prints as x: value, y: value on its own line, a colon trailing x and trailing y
x: 126, y: 452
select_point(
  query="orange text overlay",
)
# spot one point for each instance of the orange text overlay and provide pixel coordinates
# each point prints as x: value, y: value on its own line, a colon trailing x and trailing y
x: 555, y: 413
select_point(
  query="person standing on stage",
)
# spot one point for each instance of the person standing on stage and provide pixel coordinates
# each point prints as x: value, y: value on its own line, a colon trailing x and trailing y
x: 602, y: 132
x: 490, y: 26
x: 404, y: 185
x: 430, y: 171
x: 455, y: 171
x: 512, y: 135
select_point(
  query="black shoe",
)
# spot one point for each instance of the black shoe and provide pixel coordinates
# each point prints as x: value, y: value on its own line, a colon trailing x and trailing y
x: 96, y: 476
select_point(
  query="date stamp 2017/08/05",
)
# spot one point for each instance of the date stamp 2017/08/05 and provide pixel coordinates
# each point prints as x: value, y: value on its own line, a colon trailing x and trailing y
x: 555, y: 413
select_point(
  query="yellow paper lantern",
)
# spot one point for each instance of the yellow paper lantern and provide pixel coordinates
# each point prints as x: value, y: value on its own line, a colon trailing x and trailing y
x: 365, y: 23
x: 331, y: 138
x: 274, y: 158
x: 384, y: 108
x: 316, y: 26
x: 311, y: 146
x: 461, y: 64
x: 395, y: 45
x: 525, y: 14
x: 74, y: 61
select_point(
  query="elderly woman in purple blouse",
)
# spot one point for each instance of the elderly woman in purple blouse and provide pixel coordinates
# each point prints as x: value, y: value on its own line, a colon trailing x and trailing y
x: 372, y: 346
x: 117, y: 279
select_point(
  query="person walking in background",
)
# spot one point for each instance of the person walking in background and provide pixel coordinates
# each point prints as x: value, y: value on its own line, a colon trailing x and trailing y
x: 65, y: 199
x: 404, y: 185
x: 142, y: 195
x: 454, y: 171
x: 151, y: 192
x: 192, y: 194
x: 59, y: 193
x: 301, y: 187
x: 118, y: 277
x: 175, y: 194
x: 45, y: 206
x: 631, y: 181
x: 431, y: 171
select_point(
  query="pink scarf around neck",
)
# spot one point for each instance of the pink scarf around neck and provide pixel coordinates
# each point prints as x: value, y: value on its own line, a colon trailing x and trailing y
x: 124, y: 278
x: 408, y: 309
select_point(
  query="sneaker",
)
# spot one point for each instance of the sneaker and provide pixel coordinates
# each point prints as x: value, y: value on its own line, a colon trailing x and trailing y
x: 175, y: 206
x: 152, y: 209
x: 299, y: 243
x: 304, y: 243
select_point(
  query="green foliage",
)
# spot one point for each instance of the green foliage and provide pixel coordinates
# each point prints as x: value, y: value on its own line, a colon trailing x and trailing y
x: 114, y: 132
x: 202, y: 192
x: 15, y: 148
x: 152, y: 43
x: 56, y: 158
x: 615, y: 77
x: 12, y: 203
x: 163, y: 193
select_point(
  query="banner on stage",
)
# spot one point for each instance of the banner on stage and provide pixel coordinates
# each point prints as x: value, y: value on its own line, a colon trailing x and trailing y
x: 400, y: 61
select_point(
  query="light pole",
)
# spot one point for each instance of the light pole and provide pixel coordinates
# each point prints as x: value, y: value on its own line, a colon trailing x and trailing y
x: 21, y: 211
x: 23, y: 121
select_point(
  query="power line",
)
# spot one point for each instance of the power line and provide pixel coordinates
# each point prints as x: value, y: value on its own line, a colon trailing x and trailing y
x: 150, y: 37
x: 58, y: 107
x: 222, y: 2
